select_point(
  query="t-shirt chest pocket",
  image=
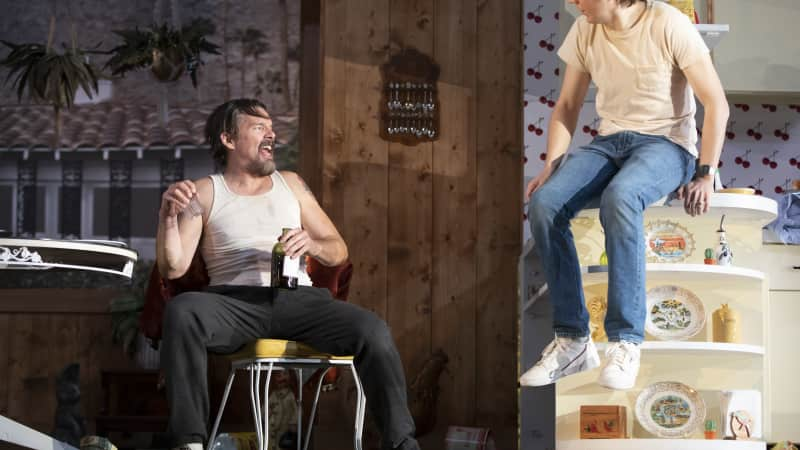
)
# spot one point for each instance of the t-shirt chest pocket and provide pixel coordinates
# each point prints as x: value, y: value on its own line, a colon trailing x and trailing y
x: 652, y: 77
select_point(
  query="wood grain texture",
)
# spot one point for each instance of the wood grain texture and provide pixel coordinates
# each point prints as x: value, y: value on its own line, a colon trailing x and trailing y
x: 49, y: 301
x: 453, y: 320
x: 354, y: 162
x: 64, y: 336
x: 434, y: 229
x: 5, y: 348
x: 309, y: 136
x: 29, y: 387
x: 411, y: 210
x: 499, y: 183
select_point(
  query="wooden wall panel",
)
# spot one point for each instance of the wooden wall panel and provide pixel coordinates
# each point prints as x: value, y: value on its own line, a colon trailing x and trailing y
x: 65, y: 343
x: 453, y: 318
x: 433, y: 229
x: 499, y: 159
x: 411, y: 210
x: 30, y: 386
x: 35, y: 348
x: 355, y: 161
x: 4, y: 364
x: 309, y: 137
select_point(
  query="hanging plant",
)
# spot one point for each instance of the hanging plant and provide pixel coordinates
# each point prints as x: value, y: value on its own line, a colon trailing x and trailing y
x: 48, y: 76
x: 167, y: 51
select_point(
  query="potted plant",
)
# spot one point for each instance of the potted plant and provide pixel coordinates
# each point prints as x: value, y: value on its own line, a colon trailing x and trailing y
x: 168, y: 52
x: 125, y: 310
x: 50, y: 76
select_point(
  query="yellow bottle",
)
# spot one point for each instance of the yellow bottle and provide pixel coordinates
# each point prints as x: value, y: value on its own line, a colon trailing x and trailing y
x: 726, y: 324
x: 685, y: 6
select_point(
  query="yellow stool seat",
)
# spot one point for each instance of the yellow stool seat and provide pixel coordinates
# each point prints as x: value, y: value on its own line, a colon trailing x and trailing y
x: 280, y: 348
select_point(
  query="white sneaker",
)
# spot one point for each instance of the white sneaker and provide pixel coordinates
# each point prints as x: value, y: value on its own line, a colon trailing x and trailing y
x: 562, y: 357
x: 621, y: 366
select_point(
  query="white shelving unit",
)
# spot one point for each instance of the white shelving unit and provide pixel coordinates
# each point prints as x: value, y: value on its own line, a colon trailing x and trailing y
x: 736, y: 207
x: 658, y: 444
x: 677, y: 348
x: 700, y: 363
x: 686, y: 272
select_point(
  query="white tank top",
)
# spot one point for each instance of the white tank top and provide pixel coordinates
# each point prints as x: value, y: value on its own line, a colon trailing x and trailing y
x: 241, y: 230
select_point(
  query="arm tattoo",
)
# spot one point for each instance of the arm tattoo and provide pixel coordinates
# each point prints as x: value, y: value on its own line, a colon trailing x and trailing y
x: 306, y: 188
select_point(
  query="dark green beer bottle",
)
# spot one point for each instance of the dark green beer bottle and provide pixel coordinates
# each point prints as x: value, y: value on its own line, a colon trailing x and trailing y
x: 284, y: 269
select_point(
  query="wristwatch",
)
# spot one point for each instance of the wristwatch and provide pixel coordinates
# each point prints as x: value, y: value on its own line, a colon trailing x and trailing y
x: 703, y: 170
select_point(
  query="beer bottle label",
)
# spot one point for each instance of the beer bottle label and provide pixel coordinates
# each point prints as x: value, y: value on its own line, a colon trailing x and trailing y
x: 291, y: 266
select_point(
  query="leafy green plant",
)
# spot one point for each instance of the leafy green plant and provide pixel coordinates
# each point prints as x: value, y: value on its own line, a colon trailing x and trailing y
x: 126, y: 308
x: 167, y: 51
x: 49, y: 76
x: 125, y: 311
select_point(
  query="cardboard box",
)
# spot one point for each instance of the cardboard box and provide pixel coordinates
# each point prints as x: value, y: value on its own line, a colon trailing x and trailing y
x: 603, y: 422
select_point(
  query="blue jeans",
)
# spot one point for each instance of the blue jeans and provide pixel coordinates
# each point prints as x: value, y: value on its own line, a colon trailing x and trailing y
x: 628, y: 171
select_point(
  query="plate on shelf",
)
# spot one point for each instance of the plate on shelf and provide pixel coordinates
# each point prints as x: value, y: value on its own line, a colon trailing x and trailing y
x: 669, y: 409
x: 673, y: 313
x: 740, y: 190
x: 667, y: 242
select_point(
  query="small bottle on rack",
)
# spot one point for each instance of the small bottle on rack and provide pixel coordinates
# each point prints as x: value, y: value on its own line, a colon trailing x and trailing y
x: 724, y: 254
x: 725, y: 324
x: 284, y: 269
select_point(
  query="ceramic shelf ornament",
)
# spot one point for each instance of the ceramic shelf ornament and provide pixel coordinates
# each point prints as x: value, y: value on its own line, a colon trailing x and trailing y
x: 710, y: 429
x: 725, y: 324
x: 709, y: 257
x: 741, y: 414
x: 597, y: 306
x: 724, y: 253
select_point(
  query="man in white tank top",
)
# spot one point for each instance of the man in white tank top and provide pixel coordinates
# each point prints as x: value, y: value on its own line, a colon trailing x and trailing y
x: 235, y: 218
x: 648, y: 62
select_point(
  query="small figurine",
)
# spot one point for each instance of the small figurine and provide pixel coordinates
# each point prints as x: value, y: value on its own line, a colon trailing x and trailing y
x: 741, y: 424
x: 725, y: 254
x: 709, y: 257
x: 603, y: 259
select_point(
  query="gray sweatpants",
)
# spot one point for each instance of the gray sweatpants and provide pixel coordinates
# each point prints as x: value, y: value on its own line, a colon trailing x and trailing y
x: 224, y: 318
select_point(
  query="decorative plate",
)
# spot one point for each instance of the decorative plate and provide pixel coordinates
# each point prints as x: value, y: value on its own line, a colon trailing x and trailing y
x: 670, y: 409
x: 667, y: 241
x: 597, y: 307
x: 739, y: 190
x: 673, y: 313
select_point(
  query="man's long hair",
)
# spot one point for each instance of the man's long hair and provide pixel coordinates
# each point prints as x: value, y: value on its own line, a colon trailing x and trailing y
x: 225, y: 119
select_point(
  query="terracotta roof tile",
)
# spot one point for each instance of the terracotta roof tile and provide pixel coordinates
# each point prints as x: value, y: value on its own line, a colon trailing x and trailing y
x: 109, y: 125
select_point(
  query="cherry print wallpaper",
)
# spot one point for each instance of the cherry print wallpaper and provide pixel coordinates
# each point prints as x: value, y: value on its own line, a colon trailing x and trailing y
x: 762, y: 144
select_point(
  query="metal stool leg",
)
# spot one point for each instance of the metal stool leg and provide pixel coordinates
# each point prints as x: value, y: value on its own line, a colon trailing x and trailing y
x: 299, y: 372
x: 255, y: 404
x: 266, y: 407
x: 361, y: 403
x: 221, y: 408
x: 314, y: 408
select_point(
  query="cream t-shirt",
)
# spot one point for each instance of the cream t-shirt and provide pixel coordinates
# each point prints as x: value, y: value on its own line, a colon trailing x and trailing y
x: 638, y: 72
